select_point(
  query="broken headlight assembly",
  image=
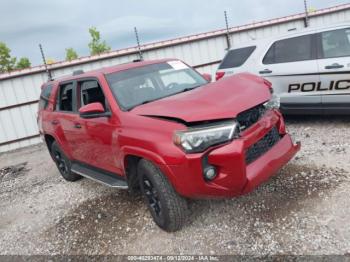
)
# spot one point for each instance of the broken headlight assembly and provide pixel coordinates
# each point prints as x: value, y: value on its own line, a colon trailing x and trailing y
x: 198, y: 139
x: 273, y: 103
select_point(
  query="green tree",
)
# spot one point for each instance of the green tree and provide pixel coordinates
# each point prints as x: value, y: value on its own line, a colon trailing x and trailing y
x: 50, y: 61
x: 71, y: 54
x: 96, y: 45
x: 7, y: 63
x: 23, y: 63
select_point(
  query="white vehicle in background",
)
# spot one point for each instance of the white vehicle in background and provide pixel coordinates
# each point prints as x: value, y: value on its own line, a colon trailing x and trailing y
x: 309, y: 69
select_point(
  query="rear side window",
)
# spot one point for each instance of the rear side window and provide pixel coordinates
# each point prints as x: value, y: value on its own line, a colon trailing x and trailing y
x: 236, y: 57
x: 335, y: 43
x: 44, y: 97
x: 290, y: 50
x: 65, y: 98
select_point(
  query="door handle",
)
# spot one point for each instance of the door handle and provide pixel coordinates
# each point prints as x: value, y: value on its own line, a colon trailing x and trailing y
x: 334, y: 66
x: 266, y: 71
x: 54, y: 122
x: 77, y: 125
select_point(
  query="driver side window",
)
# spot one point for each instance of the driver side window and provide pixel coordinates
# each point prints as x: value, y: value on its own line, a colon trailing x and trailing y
x: 335, y: 43
x: 91, y: 92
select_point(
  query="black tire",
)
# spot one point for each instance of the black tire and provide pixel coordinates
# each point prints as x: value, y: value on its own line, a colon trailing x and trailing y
x: 168, y: 209
x: 63, y: 163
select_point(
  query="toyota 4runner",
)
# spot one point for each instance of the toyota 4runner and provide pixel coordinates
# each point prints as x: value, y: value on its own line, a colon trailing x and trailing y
x: 161, y: 127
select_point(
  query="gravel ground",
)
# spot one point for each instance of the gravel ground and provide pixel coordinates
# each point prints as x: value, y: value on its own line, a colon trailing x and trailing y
x: 305, y: 209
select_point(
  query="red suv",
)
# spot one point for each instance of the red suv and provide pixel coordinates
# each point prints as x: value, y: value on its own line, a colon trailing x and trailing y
x: 161, y: 127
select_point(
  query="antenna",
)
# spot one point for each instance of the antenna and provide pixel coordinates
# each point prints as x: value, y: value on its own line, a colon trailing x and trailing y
x: 227, y: 32
x: 49, y: 75
x: 138, y: 44
x: 306, y: 21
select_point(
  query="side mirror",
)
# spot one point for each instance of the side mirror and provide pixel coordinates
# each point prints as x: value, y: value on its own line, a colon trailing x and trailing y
x: 207, y: 77
x: 93, y: 110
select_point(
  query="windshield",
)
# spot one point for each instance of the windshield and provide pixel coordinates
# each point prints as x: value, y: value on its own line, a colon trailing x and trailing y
x: 145, y: 84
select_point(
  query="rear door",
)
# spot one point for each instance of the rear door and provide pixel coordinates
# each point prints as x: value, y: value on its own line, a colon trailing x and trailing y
x: 334, y: 67
x: 65, y: 116
x: 290, y: 64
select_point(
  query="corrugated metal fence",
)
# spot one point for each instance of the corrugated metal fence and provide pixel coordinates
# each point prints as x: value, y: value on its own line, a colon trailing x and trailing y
x: 19, y: 90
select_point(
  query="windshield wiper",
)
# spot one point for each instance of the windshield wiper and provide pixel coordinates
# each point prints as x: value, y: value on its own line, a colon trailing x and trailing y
x: 142, y: 103
x: 189, y: 88
x: 146, y: 102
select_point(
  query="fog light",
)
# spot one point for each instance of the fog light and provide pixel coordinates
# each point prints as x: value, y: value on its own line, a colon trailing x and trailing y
x: 210, y: 173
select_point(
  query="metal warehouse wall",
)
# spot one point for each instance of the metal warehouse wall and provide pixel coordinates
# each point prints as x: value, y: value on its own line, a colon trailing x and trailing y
x: 19, y: 91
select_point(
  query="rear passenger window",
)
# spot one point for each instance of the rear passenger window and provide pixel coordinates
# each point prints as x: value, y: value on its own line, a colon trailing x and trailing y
x: 65, y: 102
x: 91, y: 92
x: 335, y: 43
x: 236, y: 57
x: 290, y: 50
x: 44, y: 97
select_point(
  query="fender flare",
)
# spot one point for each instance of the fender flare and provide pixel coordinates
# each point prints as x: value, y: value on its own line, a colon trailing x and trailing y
x: 141, y: 152
x: 151, y: 156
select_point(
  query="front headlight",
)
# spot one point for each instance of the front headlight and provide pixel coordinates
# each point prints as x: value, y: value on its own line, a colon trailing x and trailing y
x: 199, y: 139
x: 273, y: 103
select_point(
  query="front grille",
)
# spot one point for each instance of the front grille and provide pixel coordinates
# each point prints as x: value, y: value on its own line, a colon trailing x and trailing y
x: 262, y: 146
x: 251, y: 116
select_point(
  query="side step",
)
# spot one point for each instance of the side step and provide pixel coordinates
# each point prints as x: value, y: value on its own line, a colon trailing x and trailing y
x: 103, y: 177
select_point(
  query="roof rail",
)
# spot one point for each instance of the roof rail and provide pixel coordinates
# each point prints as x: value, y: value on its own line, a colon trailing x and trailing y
x: 78, y: 72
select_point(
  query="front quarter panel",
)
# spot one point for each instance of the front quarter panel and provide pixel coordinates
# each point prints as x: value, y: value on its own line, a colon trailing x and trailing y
x: 149, y: 138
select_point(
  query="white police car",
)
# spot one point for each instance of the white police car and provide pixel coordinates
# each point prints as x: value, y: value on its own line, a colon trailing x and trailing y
x: 309, y: 69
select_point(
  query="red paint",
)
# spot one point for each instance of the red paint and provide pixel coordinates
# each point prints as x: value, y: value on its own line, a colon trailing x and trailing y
x: 92, y: 108
x: 219, y: 75
x: 105, y: 142
x: 207, y: 77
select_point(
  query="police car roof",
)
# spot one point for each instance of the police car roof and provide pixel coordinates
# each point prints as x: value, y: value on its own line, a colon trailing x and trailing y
x: 294, y: 32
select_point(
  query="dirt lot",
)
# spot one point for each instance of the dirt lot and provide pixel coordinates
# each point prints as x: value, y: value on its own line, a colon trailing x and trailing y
x: 305, y: 209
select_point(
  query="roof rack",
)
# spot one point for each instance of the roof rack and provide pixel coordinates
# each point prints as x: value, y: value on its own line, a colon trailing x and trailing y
x: 78, y: 72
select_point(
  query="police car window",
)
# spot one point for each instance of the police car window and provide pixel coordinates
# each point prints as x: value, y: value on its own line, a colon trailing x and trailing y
x: 335, y: 43
x: 66, y: 97
x: 91, y: 92
x: 44, y: 97
x: 236, y: 57
x: 290, y: 50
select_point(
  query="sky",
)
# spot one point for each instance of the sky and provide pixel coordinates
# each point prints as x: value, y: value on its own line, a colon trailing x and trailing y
x: 58, y: 25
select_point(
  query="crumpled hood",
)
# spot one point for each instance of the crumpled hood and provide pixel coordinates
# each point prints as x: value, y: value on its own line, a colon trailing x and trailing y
x: 219, y: 100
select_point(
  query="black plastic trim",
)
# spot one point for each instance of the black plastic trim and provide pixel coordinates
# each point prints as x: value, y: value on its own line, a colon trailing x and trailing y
x: 99, y: 175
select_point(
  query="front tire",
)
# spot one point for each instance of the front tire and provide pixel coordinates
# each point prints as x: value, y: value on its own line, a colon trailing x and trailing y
x: 168, y: 209
x: 63, y: 163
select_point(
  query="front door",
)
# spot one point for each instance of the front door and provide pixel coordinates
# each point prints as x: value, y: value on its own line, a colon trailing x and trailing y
x: 334, y: 67
x: 98, y: 141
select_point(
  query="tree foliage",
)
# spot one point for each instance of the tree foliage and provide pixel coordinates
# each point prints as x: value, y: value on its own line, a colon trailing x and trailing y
x: 23, y: 63
x: 71, y: 54
x: 50, y: 61
x: 96, y: 45
x: 7, y: 63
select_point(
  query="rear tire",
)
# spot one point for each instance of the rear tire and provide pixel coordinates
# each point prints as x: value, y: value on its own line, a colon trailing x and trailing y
x: 168, y: 209
x: 63, y: 163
